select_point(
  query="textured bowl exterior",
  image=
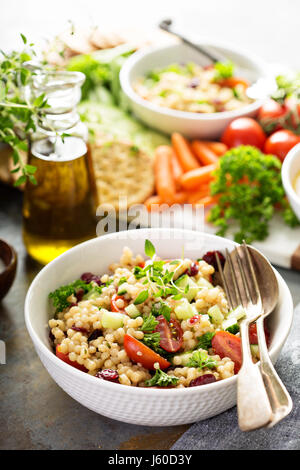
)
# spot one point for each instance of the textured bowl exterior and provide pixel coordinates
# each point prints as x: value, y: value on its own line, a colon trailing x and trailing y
x: 152, y: 407
x: 192, y: 125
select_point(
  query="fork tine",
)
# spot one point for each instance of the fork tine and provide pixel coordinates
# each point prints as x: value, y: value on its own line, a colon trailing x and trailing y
x: 228, y: 295
x: 250, y: 264
x: 244, y: 278
x: 238, y: 297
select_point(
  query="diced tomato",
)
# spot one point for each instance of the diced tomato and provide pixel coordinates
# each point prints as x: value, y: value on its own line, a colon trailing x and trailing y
x: 113, y: 304
x: 226, y: 344
x: 139, y: 352
x: 253, y: 334
x: 171, y: 334
x: 142, y: 264
x: 232, y: 82
x: 65, y: 358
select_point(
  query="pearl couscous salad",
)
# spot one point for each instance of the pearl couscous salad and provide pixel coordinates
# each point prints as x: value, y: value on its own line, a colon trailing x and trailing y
x: 194, y: 88
x: 149, y: 323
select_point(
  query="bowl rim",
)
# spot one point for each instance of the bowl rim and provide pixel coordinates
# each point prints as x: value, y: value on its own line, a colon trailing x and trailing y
x: 152, y: 50
x: 110, y: 386
x: 286, y: 176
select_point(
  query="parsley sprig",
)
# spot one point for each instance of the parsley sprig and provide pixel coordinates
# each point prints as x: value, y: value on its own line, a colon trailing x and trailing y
x: 59, y: 296
x: 249, y: 185
x: 204, y: 341
x: 161, y: 379
x: 201, y: 359
x: 18, y: 115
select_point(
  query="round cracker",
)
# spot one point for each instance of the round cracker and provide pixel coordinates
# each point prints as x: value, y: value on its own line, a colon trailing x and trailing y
x: 122, y: 170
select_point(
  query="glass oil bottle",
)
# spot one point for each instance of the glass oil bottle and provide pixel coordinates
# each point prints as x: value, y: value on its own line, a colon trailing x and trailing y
x: 60, y: 210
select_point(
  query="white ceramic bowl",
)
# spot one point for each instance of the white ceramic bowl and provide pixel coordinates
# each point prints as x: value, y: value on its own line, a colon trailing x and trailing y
x: 289, y: 171
x: 136, y: 405
x: 192, y: 125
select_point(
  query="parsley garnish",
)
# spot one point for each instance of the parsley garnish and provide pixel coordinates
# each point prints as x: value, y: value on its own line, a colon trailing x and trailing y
x: 161, y: 308
x: 161, y: 379
x: 204, y: 341
x: 152, y: 340
x: 59, y: 296
x: 249, y: 185
x: 149, y: 323
x: 200, y: 359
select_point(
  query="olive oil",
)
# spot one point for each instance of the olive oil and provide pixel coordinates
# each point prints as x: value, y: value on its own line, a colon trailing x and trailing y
x: 60, y: 210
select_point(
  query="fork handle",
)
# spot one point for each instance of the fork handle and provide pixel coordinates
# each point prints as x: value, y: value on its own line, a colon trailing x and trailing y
x: 254, y: 409
x: 279, y: 397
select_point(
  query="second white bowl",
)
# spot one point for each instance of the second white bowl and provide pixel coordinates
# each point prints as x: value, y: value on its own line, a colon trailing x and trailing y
x: 192, y: 125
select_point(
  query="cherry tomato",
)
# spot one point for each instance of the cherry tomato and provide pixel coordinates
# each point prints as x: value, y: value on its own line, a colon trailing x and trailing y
x: 271, y: 109
x: 253, y: 334
x: 65, y: 358
x: 280, y: 143
x: 142, y: 264
x: 232, y: 82
x: 244, y: 131
x: 139, y: 352
x: 170, y: 334
x: 226, y: 344
x: 113, y: 305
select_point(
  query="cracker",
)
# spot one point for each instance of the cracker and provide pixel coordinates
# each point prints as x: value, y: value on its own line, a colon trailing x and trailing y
x: 121, y: 169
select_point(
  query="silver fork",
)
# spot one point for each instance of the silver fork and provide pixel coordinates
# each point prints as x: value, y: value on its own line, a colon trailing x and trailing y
x: 254, y: 409
x: 280, y: 400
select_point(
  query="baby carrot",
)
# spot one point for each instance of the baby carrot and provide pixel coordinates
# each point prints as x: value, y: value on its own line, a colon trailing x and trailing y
x: 195, y: 178
x: 183, y: 152
x: 164, y: 180
x: 217, y: 147
x: 194, y: 196
x: 203, y: 153
x: 155, y: 202
x: 207, y: 201
x: 176, y: 167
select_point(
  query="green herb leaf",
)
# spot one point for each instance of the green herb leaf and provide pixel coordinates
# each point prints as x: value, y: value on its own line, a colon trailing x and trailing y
x: 161, y: 379
x: 60, y: 295
x: 149, y: 249
x: 204, y: 341
x: 23, y: 38
x: 200, y: 359
x: 141, y: 297
x: 149, y: 323
x: 223, y: 70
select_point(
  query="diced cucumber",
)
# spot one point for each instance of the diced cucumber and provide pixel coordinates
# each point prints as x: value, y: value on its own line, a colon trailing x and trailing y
x: 185, y: 357
x: 204, y: 283
x: 112, y: 320
x: 184, y: 310
x: 255, y: 350
x: 123, y: 288
x: 237, y: 313
x: 185, y: 281
x: 132, y: 311
x: 229, y: 322
x: 216, y: 315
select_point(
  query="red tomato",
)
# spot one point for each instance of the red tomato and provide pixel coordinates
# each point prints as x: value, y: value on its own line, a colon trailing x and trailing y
x: 142, y: 264
x: 65, y: 358
x: 226, y: 344
x: 170, y: 334
x: 253, y: 334
x: 280, y: 143
x: 271, y: 110
x: 232, y: 82
x: 139, y: 352
x: 244, y: 131
x: 113, y: 305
